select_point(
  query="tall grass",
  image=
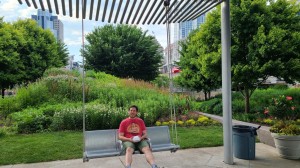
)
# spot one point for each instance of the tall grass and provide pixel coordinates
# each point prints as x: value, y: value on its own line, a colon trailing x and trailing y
x: 107, y: 99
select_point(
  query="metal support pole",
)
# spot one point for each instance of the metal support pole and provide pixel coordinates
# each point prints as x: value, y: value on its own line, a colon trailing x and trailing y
x: 226, y: 82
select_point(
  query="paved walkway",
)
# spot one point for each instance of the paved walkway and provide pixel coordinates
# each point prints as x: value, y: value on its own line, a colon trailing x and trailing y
x: 266, y: 157
x: 264, y: 135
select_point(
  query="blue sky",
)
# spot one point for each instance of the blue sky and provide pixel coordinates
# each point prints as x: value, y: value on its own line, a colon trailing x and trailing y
x: 12, y: 11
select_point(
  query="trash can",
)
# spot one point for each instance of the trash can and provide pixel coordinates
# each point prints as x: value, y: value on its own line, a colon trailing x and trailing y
x: 244, y: 141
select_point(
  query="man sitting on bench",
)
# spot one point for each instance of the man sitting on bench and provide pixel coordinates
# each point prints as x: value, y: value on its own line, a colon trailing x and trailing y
x: 132, y: 132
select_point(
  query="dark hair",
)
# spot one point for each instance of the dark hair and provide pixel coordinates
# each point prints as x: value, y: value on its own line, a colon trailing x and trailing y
x: 134, y: 106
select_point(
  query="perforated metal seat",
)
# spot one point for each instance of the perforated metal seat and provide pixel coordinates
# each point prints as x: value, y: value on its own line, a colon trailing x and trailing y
x: 160, y: 139
x: 105, y: 143
x: 100, y: 143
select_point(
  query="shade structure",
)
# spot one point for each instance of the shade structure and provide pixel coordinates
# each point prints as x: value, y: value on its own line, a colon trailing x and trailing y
x: 126, y: 11
x: 152, y: 12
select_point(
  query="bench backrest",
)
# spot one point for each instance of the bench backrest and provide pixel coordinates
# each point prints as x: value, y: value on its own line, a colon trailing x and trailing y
x: 104, y: 143
x: 100, y: 139
x: 159, y: 135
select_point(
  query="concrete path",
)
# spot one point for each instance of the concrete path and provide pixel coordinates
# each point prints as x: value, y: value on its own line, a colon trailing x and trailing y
x: 266, y: 157
x: 264, y: 135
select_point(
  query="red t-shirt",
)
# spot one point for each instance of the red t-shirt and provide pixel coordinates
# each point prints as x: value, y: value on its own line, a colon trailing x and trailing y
x: 132, y: 127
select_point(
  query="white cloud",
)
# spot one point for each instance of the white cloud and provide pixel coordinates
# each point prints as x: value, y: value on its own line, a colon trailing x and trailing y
x: 8, y: 5
x: 159, y: 31
x: 12, y: 10
x: 73, y: 42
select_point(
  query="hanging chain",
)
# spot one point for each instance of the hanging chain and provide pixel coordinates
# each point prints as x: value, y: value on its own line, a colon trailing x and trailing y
x: 170, y: 67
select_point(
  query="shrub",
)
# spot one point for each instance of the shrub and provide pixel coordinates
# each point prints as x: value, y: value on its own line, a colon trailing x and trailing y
x: 60, y: 71
x: 286, y: 128
x: 238, y: 106
x: 161, y: 81
x: 158, y: 123
x: 283, y: 108
x: 180, y: 123
x: 8, y: 105
x: 3, y: 131
x: 207, y: 106
x: 64, y: 87
x: 98, y: 116
x: 38, y: 124
x: 191, y: 122
x: 33, y: 95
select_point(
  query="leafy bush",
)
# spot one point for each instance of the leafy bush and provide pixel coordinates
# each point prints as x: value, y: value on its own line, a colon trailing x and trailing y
x: 37, y: 124
x: 55, y: 100
x: 98, y: 116
x: 33, y: 95
x: 279, y: 87
x: 245, y: 117
x: 30, y: 120
x: 64, y: 87
x: 286, y: 128
x: 208, y: 106
x: 284, y: 108
x: 60, y: 71
x: 238, y: 106
x: 161, y: 81
x: 8, y: 105
x: 3, y: 131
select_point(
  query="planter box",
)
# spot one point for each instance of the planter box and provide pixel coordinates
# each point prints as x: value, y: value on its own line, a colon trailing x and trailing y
x: 287, y: 146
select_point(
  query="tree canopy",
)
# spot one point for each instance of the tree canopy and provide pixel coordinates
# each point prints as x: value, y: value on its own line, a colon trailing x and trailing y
x: 265, y: 38
x: 123, y: 51
x: 26, y: 51
x: 192, y: 76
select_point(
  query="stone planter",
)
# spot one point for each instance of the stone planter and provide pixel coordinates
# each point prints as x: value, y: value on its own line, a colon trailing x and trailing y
x: 287, y: 146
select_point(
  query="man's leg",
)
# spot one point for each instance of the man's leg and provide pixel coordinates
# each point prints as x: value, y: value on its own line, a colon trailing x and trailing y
x: 129, y: 146
x: 144, y: 146
x: 148, y: 154
x: 128, y: 156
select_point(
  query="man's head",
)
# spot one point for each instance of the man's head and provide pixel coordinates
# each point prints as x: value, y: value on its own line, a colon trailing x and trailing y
x: 133, y: 110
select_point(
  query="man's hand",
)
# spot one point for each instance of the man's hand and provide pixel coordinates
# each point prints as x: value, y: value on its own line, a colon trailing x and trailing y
x: 136, y: 139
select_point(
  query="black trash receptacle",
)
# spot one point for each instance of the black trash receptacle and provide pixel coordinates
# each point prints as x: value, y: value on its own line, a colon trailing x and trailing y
x: 244, y: 141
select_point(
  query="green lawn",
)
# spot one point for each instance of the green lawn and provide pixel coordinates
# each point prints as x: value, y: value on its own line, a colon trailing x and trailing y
x: 43, y: 147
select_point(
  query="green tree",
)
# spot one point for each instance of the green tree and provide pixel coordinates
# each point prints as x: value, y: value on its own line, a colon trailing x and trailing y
x: 193, y: 74
x: 26, y: 51
x: 265, y: 42
x: 41, y: 50
x: 123, y: 51
x: 10, y: 63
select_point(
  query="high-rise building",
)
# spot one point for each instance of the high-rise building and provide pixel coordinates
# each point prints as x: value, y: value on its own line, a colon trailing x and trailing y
x: 181, y: 32
x: 47, y: 21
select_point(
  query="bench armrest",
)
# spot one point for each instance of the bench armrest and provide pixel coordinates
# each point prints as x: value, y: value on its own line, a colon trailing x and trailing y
x: 119, y: 145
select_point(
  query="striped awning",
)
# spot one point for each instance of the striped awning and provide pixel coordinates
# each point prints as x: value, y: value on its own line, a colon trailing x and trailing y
x: 127, y: 11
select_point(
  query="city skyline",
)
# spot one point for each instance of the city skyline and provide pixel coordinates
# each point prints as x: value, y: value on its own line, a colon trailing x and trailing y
x: 12, y: 11
x: 47, y: 21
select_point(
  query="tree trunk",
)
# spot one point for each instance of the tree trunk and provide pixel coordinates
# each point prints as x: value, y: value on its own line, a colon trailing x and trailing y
x: 205, y: 95
x: 2, y: 93
x: 247, y: 101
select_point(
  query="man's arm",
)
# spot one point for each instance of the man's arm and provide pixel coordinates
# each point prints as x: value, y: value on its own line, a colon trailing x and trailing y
x: 144, y: 135
x: 123, y: 138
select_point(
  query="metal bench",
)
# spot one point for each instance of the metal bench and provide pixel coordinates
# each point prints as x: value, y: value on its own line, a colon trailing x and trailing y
x: 105, y: 143
x: 100, y: 143
x: 160, y: 139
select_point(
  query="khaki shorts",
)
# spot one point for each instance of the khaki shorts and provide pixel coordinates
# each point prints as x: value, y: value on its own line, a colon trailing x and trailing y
x: 136, y: 146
